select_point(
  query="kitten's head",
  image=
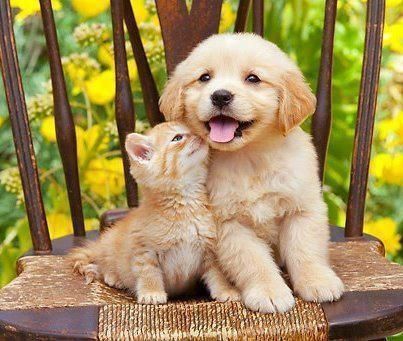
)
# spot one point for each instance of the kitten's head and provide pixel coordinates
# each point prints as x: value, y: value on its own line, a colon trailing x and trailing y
x: 169, y: 154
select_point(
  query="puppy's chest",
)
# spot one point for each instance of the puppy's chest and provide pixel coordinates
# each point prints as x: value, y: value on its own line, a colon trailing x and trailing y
x: 262, y: 197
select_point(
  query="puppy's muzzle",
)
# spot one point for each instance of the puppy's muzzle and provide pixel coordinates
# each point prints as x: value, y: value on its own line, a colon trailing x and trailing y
x: 221, y: 98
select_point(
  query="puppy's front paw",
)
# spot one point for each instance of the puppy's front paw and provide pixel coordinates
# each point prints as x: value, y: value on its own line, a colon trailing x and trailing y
x: 268, y: 300
x: 319, y: 284
x: 230, y: 294
x: 152, y: 297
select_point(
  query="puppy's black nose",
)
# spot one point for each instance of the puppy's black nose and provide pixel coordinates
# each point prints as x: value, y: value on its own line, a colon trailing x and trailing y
x: 221, y: 98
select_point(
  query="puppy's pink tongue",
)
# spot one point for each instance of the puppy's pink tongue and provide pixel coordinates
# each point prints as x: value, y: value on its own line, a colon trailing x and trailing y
x: 222, y: 128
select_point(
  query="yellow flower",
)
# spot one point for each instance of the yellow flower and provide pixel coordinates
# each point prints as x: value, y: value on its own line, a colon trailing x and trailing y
x: 90, y: 8
x: 156, y: 22
x: 105, y: 177
x: 31, y: 7
x: 378, y: 164
x: 60, y: 224
x: 2, y: 119
x: 105, y: 55
x: 47, y: 129
x: 388, y: 168
x: 393, y: 36
x: 386, y: 230
x: 79, y: 67
x: 227, y: 17
x: 140, y: 11
x: 393, y: 3
x: 399, y: 127
x: 90, y: 142
x: 101, y: 88
x: 385, y: 128
x: 391, y: 130
x: 131, y: 65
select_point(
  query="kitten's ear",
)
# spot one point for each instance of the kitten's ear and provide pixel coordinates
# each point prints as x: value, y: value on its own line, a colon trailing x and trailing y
x: 138, y: 147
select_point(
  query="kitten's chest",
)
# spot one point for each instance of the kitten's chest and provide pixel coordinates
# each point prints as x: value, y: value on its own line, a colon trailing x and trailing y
x: 181, y: 264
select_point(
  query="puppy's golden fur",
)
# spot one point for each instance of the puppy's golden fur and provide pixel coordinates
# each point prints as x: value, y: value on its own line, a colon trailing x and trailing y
x: 263, y: 183
x: 166, y: 244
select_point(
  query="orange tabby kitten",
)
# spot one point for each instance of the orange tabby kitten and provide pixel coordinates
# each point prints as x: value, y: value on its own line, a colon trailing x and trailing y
x: 166, y: 244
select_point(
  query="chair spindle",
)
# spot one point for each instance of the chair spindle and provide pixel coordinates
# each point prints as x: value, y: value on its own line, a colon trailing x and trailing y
x: 149, y: 88
x: 258, y: 17
x: 21, y: 133
x: 124, y: 107
x: 182, y: 31
x: 321, y: 121
x: 65, y: 131
x: 242, y: 16
x: 365, y: 118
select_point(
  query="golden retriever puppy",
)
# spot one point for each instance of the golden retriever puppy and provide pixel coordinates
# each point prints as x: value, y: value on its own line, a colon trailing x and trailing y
x: 245, y: 97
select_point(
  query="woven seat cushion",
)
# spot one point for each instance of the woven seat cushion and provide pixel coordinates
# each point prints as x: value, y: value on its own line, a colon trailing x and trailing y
x: 48, y: 282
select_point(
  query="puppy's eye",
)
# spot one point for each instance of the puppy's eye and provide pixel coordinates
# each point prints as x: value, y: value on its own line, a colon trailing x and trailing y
x: 252, y: 78
x: 205, y: 77
x: 177, y: 138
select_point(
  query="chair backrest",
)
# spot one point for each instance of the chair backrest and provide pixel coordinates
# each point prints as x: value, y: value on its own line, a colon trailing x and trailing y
x: 181, y: 31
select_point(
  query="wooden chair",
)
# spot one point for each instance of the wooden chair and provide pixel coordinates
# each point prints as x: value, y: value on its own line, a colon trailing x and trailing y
x: 48, y: 301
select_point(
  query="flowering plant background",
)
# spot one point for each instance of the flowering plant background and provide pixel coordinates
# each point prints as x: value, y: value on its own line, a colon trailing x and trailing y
x: 84, y: 29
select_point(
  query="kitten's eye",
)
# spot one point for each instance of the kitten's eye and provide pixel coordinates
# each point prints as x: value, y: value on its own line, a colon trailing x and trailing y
x: 252, y: 78
x: 177, y: 138
x: 205, y: 77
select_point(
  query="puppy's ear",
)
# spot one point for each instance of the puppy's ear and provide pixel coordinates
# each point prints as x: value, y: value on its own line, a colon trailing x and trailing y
x: 297, y: 101
x: 171, y: 100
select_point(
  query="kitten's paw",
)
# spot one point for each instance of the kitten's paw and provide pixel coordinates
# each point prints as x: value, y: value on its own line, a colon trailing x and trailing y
x: 268, y: 300
x: 113, y: 281
x: 231, y: 294
x: 90, y: 272
x: 319, y: 285
x: 152, y: 297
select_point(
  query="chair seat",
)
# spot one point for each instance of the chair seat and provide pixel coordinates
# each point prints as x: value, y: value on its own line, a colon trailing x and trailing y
x: 48, y: 299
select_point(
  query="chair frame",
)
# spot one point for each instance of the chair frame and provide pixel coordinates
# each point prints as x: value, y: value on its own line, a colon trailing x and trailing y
x: 179, y: 38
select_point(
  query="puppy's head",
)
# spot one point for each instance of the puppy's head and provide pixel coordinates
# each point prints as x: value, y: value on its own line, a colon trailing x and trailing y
x: 235, y: 88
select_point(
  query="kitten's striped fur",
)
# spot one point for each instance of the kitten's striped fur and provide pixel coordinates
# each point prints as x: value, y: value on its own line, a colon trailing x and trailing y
x: 166, y: 244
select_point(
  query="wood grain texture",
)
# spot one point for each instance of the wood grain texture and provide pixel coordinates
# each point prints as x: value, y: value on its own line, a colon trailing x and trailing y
x: 258, y: 17
x: 365, y: 315
x: 65, y: 131
x: 242, y: 15
x: 148, y: 86
x: 21, y: 133
x: 182, y: 31
x: 124, y: 107
x: 321, y: 121
x: 365, y: 117
x: 77, y: 323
